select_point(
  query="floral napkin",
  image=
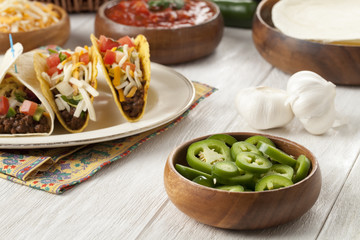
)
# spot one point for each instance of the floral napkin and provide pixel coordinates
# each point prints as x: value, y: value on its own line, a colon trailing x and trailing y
x: 59, y: 169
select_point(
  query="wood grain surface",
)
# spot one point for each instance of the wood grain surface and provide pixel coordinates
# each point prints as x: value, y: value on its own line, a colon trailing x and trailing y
x: 127, y: 199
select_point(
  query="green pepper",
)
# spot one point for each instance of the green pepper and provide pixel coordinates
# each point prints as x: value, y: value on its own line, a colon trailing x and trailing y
x: 237, y: 13
x: 234, y: 188
x: 11, y: 112
x: 190, y: 173
x: 276, y: 154
x: 228, y: 173
x: 202, y: 155
x: 282, y: 170
x: 229, y: 140
x: 253, y: 162
x: 254, y: 140
x: 202, y: 180
x: 243, y: 146
x: 38, y: 113
x: 302, y: 168
x: 272, y: 182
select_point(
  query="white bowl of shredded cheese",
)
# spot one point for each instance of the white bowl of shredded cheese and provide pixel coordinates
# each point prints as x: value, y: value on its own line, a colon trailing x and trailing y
x: 33, y: 24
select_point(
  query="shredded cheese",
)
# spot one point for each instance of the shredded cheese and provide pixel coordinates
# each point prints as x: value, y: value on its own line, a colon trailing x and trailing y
x: 24, y: 15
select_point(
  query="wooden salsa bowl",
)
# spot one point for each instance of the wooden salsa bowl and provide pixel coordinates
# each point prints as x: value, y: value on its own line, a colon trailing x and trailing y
x: 242, y: 210
x: 338, y: 63
x: 56, y: 34
x: 167, y: 46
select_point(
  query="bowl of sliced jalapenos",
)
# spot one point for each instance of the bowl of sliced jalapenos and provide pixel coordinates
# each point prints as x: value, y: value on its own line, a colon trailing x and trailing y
x: 242, y: 180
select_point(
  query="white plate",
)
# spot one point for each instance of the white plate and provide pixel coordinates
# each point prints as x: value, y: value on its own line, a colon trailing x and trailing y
x: 170, y: 94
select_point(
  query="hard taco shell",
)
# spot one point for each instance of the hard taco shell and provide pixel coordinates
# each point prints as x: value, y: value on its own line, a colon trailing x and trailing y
x: 41, y: 66
x: 142, y: 47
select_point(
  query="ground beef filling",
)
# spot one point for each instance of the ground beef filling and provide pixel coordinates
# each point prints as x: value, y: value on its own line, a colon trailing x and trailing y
x: 72, y: 122
x: 21, y: 123
x: 133, y: 106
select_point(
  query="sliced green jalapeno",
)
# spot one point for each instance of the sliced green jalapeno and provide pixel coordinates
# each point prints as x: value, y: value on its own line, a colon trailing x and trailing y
x: 202, y: 155
x: 243, y: 146
x: 254, y: 140
x: 229, y: 140
x: 272, y: 182
x: 234, y: 188
x: 302, y: 168
x: 282, y: 170
x: 253, y: 162
x: 190, y: 173
x: 229, y: 174
x: 276, y: 154
x: 208, y: 182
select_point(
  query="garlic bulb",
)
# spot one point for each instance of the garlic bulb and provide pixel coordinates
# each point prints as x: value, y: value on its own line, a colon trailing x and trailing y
x: 319, y: 125
x: 312, y: 101
x: 264, y: 107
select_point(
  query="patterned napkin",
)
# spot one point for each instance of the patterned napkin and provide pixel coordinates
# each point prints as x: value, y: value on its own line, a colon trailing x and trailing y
x: 59, y: 169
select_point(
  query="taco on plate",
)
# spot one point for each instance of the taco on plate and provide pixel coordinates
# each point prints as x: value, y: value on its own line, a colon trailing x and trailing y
x: 126, y: 66
x: 68, y: 81
x: 24, y: 111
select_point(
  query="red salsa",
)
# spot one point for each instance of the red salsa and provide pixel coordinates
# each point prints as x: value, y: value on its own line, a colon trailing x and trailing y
x: 160, y: 13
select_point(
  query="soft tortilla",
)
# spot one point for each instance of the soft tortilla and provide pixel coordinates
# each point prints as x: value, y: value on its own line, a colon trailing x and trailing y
x: 26, y: 75
x: 142, y: 47
x: 319, y: 20
x: 40, y: 67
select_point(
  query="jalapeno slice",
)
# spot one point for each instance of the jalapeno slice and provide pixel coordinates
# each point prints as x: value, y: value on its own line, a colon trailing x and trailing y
x: 243, y: 146
x: 253, y: 162
x: 190, y: 173
x: 302, y: 168
x: 282, y: 170
x: 202, y: 180
x: 225, y: 169
x: 230, y: 174
x: 272, y: 182
x: 276, y: 154
x: 229, y: 140
x: 254, y: 140
x: 202, y: 155
x: 235, y: 188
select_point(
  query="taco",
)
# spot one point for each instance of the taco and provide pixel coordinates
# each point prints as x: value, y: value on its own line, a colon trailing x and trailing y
x: 23, y: 109
x: 126, y: 66
x: 68, y: 82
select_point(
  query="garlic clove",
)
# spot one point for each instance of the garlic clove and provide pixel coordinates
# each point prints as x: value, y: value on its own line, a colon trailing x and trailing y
x: 263, y: 107
x: 320, y: 124
x: 310, y: 94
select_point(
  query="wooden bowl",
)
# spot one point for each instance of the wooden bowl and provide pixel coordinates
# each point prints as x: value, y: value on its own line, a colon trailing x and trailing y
x: 56, y: 34
x: 168, y: 46
x: 339, y: 64
x: 242, y: 210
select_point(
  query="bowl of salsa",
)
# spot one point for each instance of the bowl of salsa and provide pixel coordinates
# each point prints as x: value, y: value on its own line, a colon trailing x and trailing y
x: 177, y: 30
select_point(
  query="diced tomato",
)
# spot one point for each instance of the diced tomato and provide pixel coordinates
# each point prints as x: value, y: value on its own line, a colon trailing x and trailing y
x: 53, y: 60
x: 4, y: 105
x: 67, y: 54
x: 132, y: 66
x: 53, y: 70
x: 110, y: 57
x: 28, y: 107
x: 84, y: 58
x: 126, y: 40
x: 107, y: 43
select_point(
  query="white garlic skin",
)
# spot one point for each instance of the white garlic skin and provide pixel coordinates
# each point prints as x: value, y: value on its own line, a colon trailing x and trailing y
x: 312, y: 101
x: 264, y: 107
x: 320, y: 125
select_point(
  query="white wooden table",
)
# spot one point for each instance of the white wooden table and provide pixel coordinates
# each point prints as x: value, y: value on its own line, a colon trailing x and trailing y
x: 127, y: 199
